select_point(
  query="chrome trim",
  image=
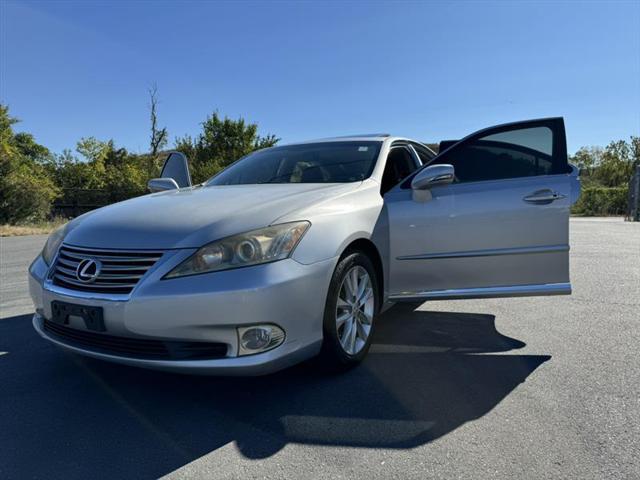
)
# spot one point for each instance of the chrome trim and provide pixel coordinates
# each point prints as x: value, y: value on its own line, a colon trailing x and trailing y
x: 121, y: 277
x: 488, y: 253
x: 83, y: 268
x: 113, y: 297
x: 126, y: 259
x: 65, y: 270
x: 71, y: 273
x: 131, y: 270
x: 544, y: 196
x: 112, y: 250
x: 66, y: 262
x: 89, y: 286
x: 485, y: 292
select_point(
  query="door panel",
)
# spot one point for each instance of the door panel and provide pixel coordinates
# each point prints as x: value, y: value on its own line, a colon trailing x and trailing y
x: 472, y: 236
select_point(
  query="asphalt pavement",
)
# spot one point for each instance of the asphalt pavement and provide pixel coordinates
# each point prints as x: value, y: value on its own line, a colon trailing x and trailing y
x: 541, y: 387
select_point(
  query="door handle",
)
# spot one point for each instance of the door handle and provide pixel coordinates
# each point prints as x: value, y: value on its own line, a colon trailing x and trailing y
x: 543, y: 196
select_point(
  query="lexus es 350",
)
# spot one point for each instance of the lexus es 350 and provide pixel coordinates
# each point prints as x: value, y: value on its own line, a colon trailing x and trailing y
x: 292, y: 251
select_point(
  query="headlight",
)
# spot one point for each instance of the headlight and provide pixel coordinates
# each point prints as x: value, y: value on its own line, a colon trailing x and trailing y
x: 53, y: 242
x: 252, y: 248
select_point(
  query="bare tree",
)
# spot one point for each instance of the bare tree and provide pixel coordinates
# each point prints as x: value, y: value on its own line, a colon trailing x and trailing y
x: 158, y: 136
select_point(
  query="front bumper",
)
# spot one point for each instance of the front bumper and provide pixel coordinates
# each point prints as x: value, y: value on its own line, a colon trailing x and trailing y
x: 206, y: 307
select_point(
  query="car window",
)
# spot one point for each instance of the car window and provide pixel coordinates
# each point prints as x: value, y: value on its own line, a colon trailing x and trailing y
x: 176, y: 167
x: 425, y: 154
x: 325, y: 162
x: 511, y: 154
x: 400, y: 164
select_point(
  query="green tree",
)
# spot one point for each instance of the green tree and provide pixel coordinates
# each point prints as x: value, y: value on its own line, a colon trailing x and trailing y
x: 587, y: 159
x: 611, y: 166
x: 616, y: 166
x: 106, y: 174
x: 126, y: 175
x: 26, y: 145
x: 26, y: 186
x: 92, y: 149
x: 605, y: 175
x: 26, y: 193
x: 221, y: 142
x: 6, y: 130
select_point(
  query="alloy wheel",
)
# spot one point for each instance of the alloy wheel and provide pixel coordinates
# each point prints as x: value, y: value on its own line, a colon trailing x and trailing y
x: 354, y: 310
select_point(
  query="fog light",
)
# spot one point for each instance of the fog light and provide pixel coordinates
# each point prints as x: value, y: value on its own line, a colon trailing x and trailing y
x: 259, y: 338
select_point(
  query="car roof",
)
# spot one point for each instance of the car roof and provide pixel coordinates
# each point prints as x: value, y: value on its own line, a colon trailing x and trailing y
x: 380, y: 137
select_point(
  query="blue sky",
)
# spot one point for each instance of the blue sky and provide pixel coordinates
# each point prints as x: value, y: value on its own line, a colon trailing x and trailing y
x: 426, y: 70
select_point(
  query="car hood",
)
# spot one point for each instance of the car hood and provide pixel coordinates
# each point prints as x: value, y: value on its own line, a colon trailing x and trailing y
x: 192, y: 217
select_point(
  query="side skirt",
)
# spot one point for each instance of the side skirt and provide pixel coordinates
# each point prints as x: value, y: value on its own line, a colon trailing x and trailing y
x: 485, y: 292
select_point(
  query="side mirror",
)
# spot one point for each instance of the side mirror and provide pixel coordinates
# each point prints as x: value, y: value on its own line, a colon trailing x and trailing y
x: 432, y: 176
x: 177, y: 167
x: 162, y: 184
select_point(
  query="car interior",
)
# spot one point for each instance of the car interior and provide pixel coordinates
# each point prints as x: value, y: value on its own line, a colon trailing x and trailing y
x: 400, y: 164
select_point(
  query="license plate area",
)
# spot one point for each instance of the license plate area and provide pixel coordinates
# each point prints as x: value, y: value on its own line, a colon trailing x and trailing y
x: 92, y: 316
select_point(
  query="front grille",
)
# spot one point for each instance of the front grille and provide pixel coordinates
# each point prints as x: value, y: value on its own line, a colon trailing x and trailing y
x: 121, y: 270
x: 135, y: 347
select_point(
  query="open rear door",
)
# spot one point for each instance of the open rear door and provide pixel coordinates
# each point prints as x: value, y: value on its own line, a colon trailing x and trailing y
x: 500, y: 229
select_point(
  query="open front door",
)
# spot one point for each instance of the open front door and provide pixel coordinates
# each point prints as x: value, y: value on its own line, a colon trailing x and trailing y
x: 500, y: 229
x: 176, y: 167
x: 175, y: 174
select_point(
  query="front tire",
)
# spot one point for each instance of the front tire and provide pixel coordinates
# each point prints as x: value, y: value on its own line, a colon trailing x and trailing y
x: 350, y: 311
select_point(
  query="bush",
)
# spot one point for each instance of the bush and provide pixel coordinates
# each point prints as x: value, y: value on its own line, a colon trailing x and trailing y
x: 602, y: 201
x: 26, y: 193
x: 126, y: 181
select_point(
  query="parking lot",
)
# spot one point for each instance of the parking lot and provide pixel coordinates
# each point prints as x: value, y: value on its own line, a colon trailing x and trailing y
x: 501, y: 388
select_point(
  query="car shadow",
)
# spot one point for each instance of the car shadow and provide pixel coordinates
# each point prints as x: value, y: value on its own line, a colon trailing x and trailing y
x: 427, y: 374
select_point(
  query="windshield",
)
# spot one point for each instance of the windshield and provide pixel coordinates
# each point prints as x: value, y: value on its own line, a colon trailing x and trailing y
x: 327, y: 162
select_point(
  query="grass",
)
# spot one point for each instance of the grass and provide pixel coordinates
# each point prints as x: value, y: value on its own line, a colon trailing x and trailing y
x: 33, y: 228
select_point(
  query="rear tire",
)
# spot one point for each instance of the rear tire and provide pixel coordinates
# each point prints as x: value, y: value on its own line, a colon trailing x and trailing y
x: 350, y: 310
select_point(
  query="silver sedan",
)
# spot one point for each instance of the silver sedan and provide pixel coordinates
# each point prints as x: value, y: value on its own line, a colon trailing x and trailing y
x: 292, y: 251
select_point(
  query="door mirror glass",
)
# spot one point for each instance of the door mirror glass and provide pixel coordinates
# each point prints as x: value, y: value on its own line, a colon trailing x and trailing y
x: 432, y: 176
x: 177, y: 168
x: 162, y: 184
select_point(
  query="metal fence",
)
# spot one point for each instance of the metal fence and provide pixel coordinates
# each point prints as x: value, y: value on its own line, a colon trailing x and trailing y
x: 76, y: 201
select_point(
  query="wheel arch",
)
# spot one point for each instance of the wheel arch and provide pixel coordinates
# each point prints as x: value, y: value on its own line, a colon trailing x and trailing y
x: 370, y: 249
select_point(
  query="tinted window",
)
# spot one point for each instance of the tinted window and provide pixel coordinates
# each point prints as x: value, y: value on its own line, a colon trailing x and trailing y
x: 327, y: 162
x: 400, y: 164
x: 175, y: 166
x: 516, y: 153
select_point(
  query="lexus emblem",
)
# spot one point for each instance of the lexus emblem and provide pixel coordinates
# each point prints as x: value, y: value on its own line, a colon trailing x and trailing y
x: 88, y: 270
